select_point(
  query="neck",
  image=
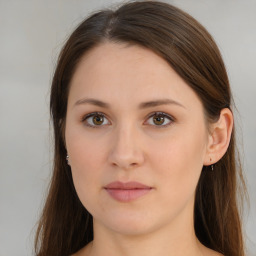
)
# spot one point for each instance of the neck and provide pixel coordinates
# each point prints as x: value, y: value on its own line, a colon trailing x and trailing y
x: 176, y: 239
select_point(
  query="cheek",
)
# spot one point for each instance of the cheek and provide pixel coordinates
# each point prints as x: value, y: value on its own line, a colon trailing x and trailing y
x: 84, y: 150
x: 87, y: 160
x: 179, y: 164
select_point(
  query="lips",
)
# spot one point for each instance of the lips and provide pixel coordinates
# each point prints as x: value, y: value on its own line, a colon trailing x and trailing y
x: 127, y: 185
x: 125, y: 192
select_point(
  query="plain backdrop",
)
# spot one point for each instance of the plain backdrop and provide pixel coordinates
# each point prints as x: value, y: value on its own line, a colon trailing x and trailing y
x: 31, y: 35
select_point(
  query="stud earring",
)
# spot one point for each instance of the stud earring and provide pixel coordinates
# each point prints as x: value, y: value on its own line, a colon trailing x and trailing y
x: 211, y: 165
x: 67, y: 159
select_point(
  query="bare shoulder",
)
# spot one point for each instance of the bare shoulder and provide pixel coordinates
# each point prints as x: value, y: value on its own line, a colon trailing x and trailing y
x: 216, y: 254
x: 213, y: 253
x: 209, y: 252
x: 84, y: 251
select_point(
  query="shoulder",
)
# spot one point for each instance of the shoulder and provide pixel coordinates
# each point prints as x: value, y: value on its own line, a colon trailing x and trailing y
x: 84, y: 251
x: 213, y: 253
x: 209, y: 252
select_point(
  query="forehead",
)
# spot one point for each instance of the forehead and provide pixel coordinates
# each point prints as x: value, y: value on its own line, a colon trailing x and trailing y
x: 117, y: 72
x: 108, y: 58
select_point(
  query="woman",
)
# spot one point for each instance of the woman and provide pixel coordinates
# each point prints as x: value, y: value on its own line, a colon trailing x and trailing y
x: 144, y: 140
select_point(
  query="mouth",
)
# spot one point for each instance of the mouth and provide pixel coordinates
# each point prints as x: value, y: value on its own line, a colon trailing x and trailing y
x: 126, y: 192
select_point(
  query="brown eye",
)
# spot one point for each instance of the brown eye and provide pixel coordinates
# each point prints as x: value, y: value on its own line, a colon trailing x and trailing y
x: 158, y: 120
x: 98, y: 120
x: 94, y: 119
x: 161, y: 119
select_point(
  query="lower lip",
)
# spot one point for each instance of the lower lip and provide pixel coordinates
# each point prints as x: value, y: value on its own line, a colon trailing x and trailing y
x: 126, y: 195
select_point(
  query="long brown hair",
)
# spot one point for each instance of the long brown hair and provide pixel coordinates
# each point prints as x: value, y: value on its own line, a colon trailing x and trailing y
x: 65, y: 225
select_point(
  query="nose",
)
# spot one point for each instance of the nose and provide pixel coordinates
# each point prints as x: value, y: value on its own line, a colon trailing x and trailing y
x: 126, y: 151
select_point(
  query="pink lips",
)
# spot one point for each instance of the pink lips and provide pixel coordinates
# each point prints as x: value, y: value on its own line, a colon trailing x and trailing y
x: 126, y: 192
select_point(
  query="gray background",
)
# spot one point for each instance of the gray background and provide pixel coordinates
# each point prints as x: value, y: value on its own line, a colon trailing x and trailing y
x: 31, y: 34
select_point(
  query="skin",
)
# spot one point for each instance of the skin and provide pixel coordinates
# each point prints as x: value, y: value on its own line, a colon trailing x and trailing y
x: 129, y: 145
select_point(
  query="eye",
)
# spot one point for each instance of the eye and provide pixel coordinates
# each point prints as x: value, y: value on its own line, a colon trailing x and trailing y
x: 94, y: 119
x: 161, y: 119
x: 98, y: 119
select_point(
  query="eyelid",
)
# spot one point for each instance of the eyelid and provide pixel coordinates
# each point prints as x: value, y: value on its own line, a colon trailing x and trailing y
x: 165, y: 115
x: 83, y: 119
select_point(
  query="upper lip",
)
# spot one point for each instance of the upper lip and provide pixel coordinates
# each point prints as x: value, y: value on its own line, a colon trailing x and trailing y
x: 126, y: 185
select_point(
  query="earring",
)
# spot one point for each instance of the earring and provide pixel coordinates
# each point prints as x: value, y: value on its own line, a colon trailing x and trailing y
x: 67, y: 159
x: 211, y: 165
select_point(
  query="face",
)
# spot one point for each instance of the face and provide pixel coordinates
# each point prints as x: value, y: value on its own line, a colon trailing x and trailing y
x: 131, y: 119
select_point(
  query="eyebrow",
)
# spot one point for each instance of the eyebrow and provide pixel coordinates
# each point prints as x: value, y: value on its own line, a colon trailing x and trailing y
x: 143, y: 105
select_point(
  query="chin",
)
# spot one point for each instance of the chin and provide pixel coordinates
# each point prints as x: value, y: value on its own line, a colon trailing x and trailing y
x: 132, y: 228
x: 130, y: 224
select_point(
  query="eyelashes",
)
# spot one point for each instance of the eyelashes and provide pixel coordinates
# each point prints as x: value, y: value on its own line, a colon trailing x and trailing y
x: 98, y: 119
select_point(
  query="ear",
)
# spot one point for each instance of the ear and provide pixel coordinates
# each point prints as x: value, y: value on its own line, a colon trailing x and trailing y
x: 219, y: 137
